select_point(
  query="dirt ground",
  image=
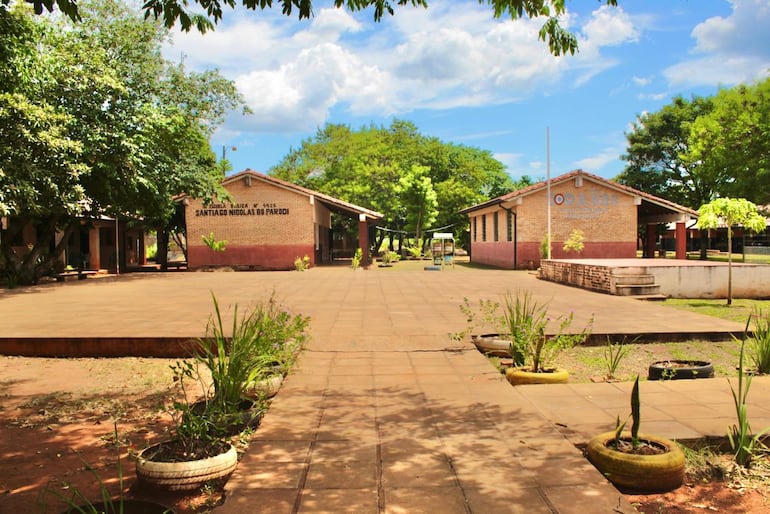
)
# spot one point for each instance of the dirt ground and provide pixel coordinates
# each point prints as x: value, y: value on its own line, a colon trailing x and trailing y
x: 57, y: 438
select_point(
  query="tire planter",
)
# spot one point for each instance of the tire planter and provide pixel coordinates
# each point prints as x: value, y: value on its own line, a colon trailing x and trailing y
x: 265, y: 388
x: 638, y: 473
x: 246, y: 417
x: 125, y: 506
x: 184, y: 476
x: 680, y: 369
x: 492, y: 345
x: 522, y: 376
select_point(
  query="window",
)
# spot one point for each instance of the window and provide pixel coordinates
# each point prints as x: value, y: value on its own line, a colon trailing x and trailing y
x: 510, y: 226
x: 483, y: 227
x: 474, y: 228
x: 495, y: 226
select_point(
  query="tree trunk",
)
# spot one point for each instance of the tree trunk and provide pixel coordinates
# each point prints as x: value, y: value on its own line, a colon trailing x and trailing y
x: 704, y: 240
x: 161, y: 257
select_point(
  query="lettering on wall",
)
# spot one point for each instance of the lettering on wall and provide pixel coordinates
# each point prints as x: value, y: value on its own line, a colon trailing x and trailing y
x: 243, y: 209
x: 584, y: 205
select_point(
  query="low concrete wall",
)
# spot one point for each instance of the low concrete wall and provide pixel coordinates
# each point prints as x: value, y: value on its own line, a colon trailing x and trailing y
x: 710, y: 281
x: 676, y: 278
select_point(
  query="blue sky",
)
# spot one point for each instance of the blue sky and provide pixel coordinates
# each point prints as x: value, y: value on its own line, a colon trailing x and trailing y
x: 462, y: 76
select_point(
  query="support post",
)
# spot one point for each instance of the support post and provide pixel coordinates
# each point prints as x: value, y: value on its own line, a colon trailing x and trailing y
x: 363, y: 240
x: 680, y: 237
x: 652, y: 236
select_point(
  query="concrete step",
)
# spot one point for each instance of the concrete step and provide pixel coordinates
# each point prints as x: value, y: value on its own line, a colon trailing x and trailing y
x: 649, y: 297
x: 642, y: 279
x: 629, y: 270
x: 637, y: 289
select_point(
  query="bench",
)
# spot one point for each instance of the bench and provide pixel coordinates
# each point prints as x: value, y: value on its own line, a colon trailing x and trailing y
x: 80, y: 274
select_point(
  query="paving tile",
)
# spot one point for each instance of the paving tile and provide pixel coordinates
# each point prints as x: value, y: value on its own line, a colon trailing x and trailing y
x: 416, y: 470
x: 512, y: 498
x: 278, y: 451
x: 334, y: 501
x: 241, y: 500
x: 267, y: 475
x: 428, y: 500
x: 594, y: 497
x: 344, y: 450
x: 342, y: 474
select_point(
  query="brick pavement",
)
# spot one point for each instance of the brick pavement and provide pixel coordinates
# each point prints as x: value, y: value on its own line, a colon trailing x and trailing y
x: 385, y: 413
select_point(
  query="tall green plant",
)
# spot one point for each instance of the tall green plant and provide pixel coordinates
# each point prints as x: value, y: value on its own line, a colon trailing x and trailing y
x: 526, y: 321
x: 264, y: 335
x: 614, y: 353
x: 743, y: 443
x: 760, y: 341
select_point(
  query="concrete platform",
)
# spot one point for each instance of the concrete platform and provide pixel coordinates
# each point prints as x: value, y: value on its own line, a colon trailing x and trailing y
x: 385, y: 413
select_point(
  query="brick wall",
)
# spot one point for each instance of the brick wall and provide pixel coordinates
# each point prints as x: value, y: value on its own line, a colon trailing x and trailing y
x: 587, y: 276
x: 265, y: 226
x: 608, y: 219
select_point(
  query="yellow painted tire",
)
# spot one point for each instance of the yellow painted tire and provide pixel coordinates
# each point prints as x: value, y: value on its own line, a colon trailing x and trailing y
x: 521, y: 376
x: 638, y: 473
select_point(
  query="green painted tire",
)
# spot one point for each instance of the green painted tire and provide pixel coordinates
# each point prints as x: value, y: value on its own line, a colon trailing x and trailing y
x: 521, y: 376
x: 638, y: 473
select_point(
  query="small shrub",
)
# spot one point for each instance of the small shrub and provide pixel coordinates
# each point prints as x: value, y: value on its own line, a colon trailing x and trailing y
x: 301, y: 264
x: 613, y: 354
x: 357, y: 257
x: 575, y: 242
x: 211, y: 242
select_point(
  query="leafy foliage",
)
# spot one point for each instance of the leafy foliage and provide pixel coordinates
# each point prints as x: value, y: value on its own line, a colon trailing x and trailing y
x: 743, y: 442
x: 526, y: 320
x: 760, y: 341
x: 730, y: 212
x: 211, y: 242
x: 94, y: 121
x: 393, y: 170
x: 575, y: 241
x: 560, y: 40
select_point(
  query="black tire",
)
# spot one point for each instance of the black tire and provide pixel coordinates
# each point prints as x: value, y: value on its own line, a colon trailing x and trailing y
x: 685, y: 369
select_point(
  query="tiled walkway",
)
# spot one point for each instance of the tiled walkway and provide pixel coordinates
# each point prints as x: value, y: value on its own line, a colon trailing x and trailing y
x: 385, y: 413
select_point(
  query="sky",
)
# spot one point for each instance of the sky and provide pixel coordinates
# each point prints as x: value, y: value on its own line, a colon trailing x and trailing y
x: 467, y: 78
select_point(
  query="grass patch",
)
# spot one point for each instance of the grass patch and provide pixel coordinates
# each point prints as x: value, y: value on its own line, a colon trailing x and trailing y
x: 739, y: 311
x: 588, y: 363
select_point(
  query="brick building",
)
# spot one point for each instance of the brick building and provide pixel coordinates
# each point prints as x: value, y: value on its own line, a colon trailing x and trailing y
x: 507, y: 231
x: 267, y: 224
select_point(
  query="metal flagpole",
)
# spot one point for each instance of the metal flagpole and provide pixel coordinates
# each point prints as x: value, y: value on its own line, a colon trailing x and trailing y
x: 548, y: 186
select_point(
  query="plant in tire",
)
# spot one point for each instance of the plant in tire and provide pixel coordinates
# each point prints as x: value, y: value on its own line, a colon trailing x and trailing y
x: 634, y: 461
x: 525, y: 320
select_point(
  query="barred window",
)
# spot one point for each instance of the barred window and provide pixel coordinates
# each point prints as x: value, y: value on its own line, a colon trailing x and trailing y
x: 483, y: 227
x: 495, y: 226
x: 510, y: 226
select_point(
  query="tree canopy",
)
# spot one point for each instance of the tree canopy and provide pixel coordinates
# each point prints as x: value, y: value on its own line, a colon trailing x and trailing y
x: 693, y: 151
x: 730, y: 212
x: 94, y: 121
x: 393, y: 170
x: 205, y: 14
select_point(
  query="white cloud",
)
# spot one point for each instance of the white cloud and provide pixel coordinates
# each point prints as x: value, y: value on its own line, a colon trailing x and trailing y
x: 609, y: 26
x: 642, y: 81
x: 728, y: 50
x: 293, y: 74
x: 595, y: 163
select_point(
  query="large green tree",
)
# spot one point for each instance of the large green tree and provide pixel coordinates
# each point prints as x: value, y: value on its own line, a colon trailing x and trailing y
x: 204, y: 14
x: 657, y: 155
x: 419, y: 199
x: 365, y: 167
x: 732, y: 141
x: 96, y: 122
